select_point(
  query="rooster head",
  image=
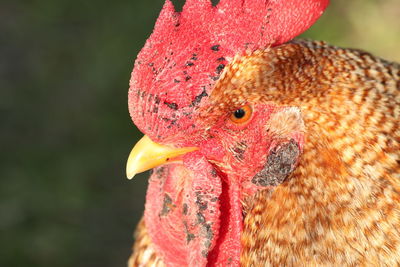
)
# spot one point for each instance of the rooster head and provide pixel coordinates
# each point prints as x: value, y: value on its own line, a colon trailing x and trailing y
x: 211, y: 135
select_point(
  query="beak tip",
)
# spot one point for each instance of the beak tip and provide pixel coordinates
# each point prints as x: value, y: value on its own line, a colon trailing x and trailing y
x: 130, y: 175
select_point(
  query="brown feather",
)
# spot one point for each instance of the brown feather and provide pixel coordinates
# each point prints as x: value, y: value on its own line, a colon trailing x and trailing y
x: 342, y: 204
x: 143, y: 253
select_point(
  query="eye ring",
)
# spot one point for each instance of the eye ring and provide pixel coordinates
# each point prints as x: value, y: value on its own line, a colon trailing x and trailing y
x: 241, y: 115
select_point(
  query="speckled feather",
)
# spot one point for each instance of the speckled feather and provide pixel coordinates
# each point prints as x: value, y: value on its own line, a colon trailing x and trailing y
x: 341, y: 205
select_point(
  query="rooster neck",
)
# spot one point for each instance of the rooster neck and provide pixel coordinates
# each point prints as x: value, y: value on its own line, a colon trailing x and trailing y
x: 324, y: 214
x: 341, y: 206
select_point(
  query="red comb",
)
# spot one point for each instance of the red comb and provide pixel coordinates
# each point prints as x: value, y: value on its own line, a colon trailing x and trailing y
x: 188, y: 50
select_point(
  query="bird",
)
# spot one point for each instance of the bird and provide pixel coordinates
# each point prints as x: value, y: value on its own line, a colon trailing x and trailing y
x: 265, y: 150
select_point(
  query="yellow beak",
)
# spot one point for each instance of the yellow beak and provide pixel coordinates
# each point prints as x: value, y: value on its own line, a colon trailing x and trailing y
x: 146, y: 155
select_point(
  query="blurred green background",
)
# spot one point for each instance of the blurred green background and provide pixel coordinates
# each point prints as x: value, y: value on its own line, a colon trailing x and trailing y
x: 65, y: 127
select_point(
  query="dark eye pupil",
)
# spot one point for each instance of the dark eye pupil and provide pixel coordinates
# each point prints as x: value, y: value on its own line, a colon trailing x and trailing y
x: 239, y: 113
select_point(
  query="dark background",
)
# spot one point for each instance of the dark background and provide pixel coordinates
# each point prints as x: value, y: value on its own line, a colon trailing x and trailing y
x: 65, y: 130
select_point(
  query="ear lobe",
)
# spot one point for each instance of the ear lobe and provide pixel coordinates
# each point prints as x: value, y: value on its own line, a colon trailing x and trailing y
x: 281, y: 162
x: 285, y: 123
x: 286, y: 129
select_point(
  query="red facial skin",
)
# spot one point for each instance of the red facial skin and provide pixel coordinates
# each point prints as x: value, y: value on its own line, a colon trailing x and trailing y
x: 173, y: 77
x: 193, y: 210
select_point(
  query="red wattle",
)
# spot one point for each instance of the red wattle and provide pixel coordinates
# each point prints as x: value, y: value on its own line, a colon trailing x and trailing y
x: 228, y: 248
x: 194, y: 217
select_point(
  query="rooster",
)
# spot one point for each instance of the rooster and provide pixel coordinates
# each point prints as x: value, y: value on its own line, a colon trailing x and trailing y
x: 266, y: 151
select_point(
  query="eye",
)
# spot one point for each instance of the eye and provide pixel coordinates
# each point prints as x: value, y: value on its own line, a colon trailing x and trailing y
x: 241, y: 115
